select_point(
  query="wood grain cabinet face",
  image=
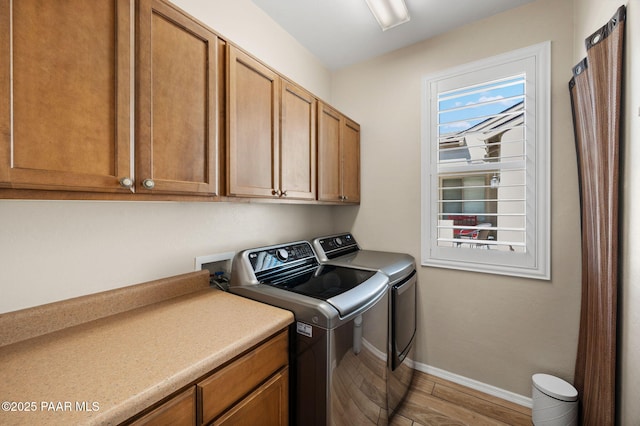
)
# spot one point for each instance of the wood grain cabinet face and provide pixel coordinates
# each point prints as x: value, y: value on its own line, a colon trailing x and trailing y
x: 297, y: 142
x: 271, y: 149
x: 338, y: 157
x: 350, y: 161
x: 252, y: 130
x: 65, y: 94
x: 178, y: 100
x: 329, y: 184
x: 178, y: 411
x: 267, y: 406
x: 234, y: 382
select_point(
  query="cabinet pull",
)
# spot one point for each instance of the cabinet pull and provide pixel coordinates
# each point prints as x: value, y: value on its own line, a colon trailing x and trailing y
x: 126, y: 182
x: 276, y: 192
x: 284, y: 193
x: 148, y: 183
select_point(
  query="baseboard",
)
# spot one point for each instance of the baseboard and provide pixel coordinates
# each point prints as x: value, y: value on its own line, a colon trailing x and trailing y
x: 474, y: 384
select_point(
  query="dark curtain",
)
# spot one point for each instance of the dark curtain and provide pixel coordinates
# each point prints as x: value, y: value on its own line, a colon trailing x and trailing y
x: 596, y: 89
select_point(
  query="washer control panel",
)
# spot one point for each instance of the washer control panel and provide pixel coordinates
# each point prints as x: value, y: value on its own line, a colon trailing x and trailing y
x: 274, y: 257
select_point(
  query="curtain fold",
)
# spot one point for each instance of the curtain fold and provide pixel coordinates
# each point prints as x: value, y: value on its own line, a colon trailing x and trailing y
x: 596, y: 90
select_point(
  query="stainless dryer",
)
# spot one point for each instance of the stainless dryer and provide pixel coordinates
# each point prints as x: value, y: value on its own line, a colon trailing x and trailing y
x: 338, y: 312
x: 343, y: 250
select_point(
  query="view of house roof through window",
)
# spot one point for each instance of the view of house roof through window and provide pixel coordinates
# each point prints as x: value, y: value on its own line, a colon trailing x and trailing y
x: 481, y: 165
x: 486, y: 165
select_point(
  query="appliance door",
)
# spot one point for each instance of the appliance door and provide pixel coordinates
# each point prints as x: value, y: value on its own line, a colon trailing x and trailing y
x: 403, y: 318
x: 402, y: 349
x: 342, y: 371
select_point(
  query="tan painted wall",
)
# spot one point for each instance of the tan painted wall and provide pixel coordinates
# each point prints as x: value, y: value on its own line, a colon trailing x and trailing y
x: 495, y: 329
x: 589, y: 15
x: 54, y: 250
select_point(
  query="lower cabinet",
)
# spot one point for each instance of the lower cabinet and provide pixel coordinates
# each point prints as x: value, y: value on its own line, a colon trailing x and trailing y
x: 252, y: 389
x: 179, y: 410
x: 228, y: 385
x: 267, y: 406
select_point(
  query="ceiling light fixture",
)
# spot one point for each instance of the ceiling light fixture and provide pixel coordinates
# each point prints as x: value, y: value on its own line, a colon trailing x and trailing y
x: 389, y: 13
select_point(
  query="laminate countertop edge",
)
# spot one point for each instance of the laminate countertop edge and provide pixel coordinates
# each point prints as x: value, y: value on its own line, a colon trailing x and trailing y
x: 107, y: 370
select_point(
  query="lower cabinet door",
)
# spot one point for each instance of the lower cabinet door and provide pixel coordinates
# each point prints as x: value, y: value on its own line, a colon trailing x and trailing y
x: 220, y: 391
x: 266, y: 406
x: 179, y: 411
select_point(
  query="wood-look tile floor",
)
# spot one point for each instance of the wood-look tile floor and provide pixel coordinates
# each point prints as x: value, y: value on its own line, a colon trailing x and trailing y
x: 435, y: 401
x: 431, y: 401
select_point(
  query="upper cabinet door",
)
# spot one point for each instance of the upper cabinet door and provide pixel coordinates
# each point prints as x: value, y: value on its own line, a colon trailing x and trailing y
x: 252, y: 130
x: 350, y: 161
x: 338, y: 157
x: 178, y: 91
x: 65, y: 94
x: 329, y: 156
x: 297, y: 143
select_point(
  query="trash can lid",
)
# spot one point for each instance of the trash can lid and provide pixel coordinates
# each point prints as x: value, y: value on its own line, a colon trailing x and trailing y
x: 555, y: 387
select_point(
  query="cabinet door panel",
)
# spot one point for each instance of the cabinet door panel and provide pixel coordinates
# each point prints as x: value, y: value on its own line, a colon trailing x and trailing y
x: 64, y: 81
x: 242, y: 376
x: 177, y: 102
x: 329, y: 155
x: 298, y: 143
x: 178, y: 411
x: 252, y: 154
x: 267, y: 406
x: 351, y: 161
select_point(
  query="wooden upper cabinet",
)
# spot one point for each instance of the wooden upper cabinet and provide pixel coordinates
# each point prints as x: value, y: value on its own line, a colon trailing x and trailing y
x: 297, y: 142
x: 178, y: 95
x: 65, y: 94
x: 338, y: 157
x: 67, y: 124
x: 252, y: 127
x: 350, y: 161
x: 329, y: 185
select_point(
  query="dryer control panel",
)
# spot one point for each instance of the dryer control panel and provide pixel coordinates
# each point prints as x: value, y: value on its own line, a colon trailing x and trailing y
x: 337, y: 245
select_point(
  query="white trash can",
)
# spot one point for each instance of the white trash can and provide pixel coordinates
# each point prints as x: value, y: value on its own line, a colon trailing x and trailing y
x: 555, y: 402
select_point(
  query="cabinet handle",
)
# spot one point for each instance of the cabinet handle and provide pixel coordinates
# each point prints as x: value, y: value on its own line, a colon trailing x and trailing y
x: 148, y: 183
x: 126, y: 182
x: 284, y: 193
x: 276, y: 192
x: 345, y: 198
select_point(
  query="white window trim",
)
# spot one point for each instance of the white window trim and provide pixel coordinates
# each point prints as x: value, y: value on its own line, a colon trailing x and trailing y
x: 536, y: 263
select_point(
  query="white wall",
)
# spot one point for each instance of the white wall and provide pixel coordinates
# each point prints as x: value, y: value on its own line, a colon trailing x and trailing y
x: 54, y: 250
x: 589, y: 15
x: 495, y: 329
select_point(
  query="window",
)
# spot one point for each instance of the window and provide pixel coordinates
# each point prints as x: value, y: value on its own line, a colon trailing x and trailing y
x: 485, y: 166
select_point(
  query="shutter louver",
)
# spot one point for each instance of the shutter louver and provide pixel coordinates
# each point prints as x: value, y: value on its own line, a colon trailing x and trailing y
x: 481, y: 166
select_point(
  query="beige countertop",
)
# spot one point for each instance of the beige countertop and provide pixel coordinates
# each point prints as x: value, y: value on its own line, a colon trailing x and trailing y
x: 107, y: 370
